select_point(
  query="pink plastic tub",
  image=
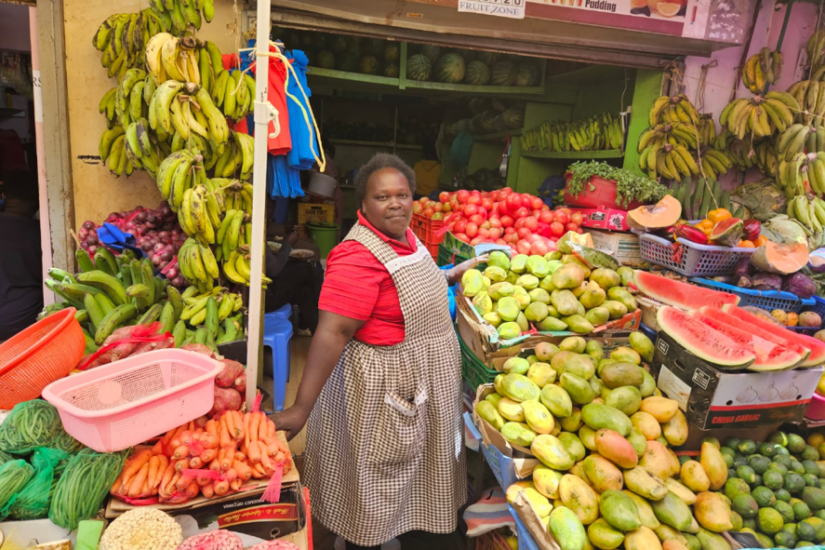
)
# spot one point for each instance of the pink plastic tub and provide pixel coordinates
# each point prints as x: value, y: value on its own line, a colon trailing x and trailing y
x: 126, y: 402
x: 816, y: 409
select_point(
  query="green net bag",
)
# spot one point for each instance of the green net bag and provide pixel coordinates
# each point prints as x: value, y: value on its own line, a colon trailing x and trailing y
x: 32, y: 502
x: 34, y: 424
x: 14, y: 475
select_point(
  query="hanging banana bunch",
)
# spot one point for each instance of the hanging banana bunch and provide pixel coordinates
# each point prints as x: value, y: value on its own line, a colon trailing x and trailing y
x: 804, y: 173
x: 766, y: 157
x: 715, y: 163
x: 815, y: 48
x: 810, y: 97
x: 706, y: 128
x: 737, y: 150
x: 761, y: 69
x: 809, y: 211
x: 676, y: 109
x: 177, y: 15
x: 122, y: 38
x: 759, y: 116
x: 668, y: 161
x: 672, y: 133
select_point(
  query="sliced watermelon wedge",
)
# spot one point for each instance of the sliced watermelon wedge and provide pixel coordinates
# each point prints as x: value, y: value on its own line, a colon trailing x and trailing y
x: 771, y: 336
x: 817, y: 356
x: 679, y: 294
x: 702, y: 340
x: 769, y: 356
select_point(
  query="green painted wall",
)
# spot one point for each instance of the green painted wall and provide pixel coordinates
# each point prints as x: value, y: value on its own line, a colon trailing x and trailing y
x: 648, y: 88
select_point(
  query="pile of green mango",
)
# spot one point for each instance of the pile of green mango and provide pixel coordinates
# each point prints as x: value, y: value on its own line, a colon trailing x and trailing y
x: 555, y: 292
x: 603, y: 433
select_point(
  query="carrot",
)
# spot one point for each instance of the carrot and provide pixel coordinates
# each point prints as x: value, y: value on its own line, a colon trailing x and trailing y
x: 224, y: 440
x: 157, y: 448
x: 235, y: 485
x: 221, y: 487
x: 238, y: 421
x: 154, y: 473
x: 167, y: 437
x: 247, y: 419
x: 212, y: 428
x: 136, y: 486
x: 284, y: 447
x: 265, y: 457
x: 192, y: 490
x: 115, y: 490
x: 183, y: 483
x: 262, y: 428
x: 181, y: 452
x: 191, y: 425
x: 231, y: 474
x: 181, y: 464
x: 209, y: 441
x: 254, y: 422
x: 258, y: 471
x: 243, y: 470
x: 215, y: 465
x: 208, y: 490
x: 196, y: 463
x: 226, y: 461
x: 208, y: 455
x: 170, y: 487
x: 254, y: 452
x: 270, y: 428
x: 240, y: 456
x: 163, y: 465
x: 167, y: 474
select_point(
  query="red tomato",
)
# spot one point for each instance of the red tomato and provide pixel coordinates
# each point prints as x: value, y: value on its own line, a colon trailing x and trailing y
x: 438, y: 216
x: 474, y: 199
x: 495, y: 222
x: 438, y: 207
x: 566, y: 209
x: 572, y: 226
x: 531, y: 223
x: 557, y: 228
x: 470, y: 210
x: 504, y: 191
x: 536, y: 213
x: 501, y: 242
x: 537, y: 203
x: 487, y: 204
x: 523, y: 233
x: 459, y: 226
x: 579, y: 231
x: 484, y: 232
x: 576, y: 218
x: 533, y: 238
x: 447, y: 206
x: 485, y: 224
x: 462, y: 196
x: 449, y: 217
x: 471, y: 230
x: 493, y: 196
x: 538, y: 247
x: 477, y: 240
x: 519, y: 223
x: 462, y: 237
x: 513, y: 201
x: 521, y: 213
x: 417, y: 208
x: 511, y: 238
x: 496, y: 232
x: 545, y: 207
x: 482, y: 211
x: 546, y: 217
x: 476, y: 219
x: 428, y: 212
x: 527, y: 200
x: 507, y: 221
x: 562, y: 217
x: 444, y: 196
x: 455, y: 204
x: 523, y: 247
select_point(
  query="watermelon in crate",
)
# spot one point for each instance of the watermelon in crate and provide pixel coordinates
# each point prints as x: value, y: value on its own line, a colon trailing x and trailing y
x: 450, y: 68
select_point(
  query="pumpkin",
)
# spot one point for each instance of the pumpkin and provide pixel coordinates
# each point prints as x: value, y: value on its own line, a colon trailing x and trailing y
x: 661, y: 215
x: 780, y: 258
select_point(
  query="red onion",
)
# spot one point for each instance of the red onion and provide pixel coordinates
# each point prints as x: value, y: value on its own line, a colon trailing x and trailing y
x: 92, y: 249
x: 88, y: 224
x: 82, y: 233
x: 172, y: 274
x: 178, y: 281
x: 159, y: 247
x: 156, y: 259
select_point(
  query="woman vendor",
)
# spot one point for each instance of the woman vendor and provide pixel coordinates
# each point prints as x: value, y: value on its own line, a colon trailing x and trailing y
x: 382, y: 385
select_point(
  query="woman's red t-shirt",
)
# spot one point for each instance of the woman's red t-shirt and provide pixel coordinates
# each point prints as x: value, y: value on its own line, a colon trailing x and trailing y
x: 357, y: 285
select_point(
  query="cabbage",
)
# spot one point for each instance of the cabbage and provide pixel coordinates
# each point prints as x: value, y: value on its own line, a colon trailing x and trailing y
x: 782, y: 229
x: 799, y: 284
x: 766, y: 281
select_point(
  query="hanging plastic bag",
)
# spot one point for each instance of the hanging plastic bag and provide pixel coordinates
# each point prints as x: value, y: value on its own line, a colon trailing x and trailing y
x: 32, y: 502
x: 34, y: 424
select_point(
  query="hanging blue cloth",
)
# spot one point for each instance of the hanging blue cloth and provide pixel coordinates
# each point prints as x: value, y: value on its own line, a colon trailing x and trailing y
x: 304, y: 142
x: 281, y: 179
x: 116, y: 239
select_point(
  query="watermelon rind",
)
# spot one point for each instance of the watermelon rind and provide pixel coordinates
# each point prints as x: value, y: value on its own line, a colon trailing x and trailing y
x: 679, y: 294
x: 703, y: 341
x: 769, y: 356
x: 817, y: 356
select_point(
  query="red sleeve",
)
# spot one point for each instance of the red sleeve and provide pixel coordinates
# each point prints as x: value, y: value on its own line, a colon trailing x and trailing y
x: 352, y: 281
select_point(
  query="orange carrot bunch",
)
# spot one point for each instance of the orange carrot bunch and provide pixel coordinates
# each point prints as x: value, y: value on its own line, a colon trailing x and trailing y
x: 212, y: 458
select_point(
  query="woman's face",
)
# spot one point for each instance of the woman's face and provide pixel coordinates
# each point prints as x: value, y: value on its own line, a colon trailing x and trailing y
x: 388, y: 202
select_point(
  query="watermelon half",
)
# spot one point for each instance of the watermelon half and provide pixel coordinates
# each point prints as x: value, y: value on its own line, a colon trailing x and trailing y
x: 769, y: 356
x: 679, y: 294
x: 702, y: 340
x: 771, y: 336
x: 817, y: 356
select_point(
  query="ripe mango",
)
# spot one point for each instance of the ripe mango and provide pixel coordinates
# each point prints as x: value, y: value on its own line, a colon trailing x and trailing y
x: 508, y: 308
x: 578, y: 323
x: 673, y: 544
x: 581, y: 393
x: 538, y: 417
x: 694, y: 477
x: 642, y: 345
x: 645, y: 423
x: 495, y: 273
x: 573, y: 422
x: 538, y: 501
x: 547, y: 284
x: 539, y: 295
x: 519, y: 388
x: 675, y: 464
x: 493, y: 398
x: 657, y: 460
x: 537, y: 265
x: 541, y: 374
x: 646, y: 515
x: 714, y: 465
x: 599, y: 416
x: 623, y: 354
x: 602, y: 474
x: 648, y: 386
x: 627, y: 399
x: 578, y: 471
x: 516, y: 365
x: 693, y: 541
x: 615, y: 448
x: 514, y: 489
x: 568, y: 276
x: 551, y: 323
x: 597, y: 316
x: 605, y: 278
x: 486, y: 283
x: 528, y: 282
x: 518, y: 433
x: 510, y: 410
x: 483, y: 303
x: 666, y: 533
x: 588, y: 437
x: 713, y: 541
x: 518, y: 263
x: 603, y: 536
x: 546, y: 481
x: 488, y: 412
x: 522, y: 322
x: 497, y: 383
x: 619, y: 510
x: 471, y: 282
x: 712, y: 512
x: 552, y: 452
x: 661, y: 408
x: 573, y: 363
x: 618, y: 374
x: 567, y: 529
x: 673, y: 511
x: 509, y: 330
x: 573, y: 445
x: 545, y: 351
x: 624, y: 297
x: 580, y: 498
x: 492, y: 318
x: 638, y: 441
x: 594, y: 349
x: 499, y: 259
x: 593, y: 297
x: 642, y: 539
x: 675, y: 430
x: 565, y: 302
x: 680, y: 491
x: 616, y: 309
x: 575, y: 344
x: 645, y: 484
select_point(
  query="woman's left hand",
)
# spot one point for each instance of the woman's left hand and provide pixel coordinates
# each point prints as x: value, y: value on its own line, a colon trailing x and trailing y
x: 455, y: 274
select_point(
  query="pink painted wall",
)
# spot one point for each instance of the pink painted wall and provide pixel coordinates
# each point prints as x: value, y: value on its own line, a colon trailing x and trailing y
x: 724, y: 78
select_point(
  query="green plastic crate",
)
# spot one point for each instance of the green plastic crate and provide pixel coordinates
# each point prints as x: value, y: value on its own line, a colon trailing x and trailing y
x: 451, y: 250
x: 472, y: 369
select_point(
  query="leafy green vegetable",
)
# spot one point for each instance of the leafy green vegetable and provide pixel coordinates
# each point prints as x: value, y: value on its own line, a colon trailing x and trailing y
x: 629, y: 186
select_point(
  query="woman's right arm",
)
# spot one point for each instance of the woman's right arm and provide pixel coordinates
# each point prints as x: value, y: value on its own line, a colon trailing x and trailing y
x: 332, y: 334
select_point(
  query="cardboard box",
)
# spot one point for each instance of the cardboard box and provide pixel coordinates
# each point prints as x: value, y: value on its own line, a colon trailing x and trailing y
x: 650, y: 308
x: 610, y: 219
x: 310, y: 212
x: 623, y: 247
x: 713, y: 398
x: 529, y: 526
x: 696, y: 434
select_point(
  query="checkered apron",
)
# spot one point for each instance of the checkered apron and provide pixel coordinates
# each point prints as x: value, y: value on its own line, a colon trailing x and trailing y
x: 385, y: 451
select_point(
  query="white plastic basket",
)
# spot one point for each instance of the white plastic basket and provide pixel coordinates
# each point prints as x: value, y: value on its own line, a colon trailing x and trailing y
x: 127, y: 402
x: 697, y: 260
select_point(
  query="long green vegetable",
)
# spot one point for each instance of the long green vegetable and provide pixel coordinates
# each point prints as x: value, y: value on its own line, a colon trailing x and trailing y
x: 33, y: 424
x: 13, y: 476
x: 629, y: 186
x: 84, y: 485
x: 32, y: 501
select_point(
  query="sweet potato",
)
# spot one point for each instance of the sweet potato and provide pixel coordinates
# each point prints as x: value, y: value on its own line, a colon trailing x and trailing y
x: 231, y: 371
x: 199, y: 348
x: 226, y: 399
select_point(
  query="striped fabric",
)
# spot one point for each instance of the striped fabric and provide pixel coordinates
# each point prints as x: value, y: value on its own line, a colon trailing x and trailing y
x: 488, y: 514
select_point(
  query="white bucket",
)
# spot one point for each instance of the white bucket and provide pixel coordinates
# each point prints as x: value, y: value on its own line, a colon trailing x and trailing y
x: 322, y: 184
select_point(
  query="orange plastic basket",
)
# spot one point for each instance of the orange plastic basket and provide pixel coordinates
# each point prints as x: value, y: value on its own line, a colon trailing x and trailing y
x: 31, y: 360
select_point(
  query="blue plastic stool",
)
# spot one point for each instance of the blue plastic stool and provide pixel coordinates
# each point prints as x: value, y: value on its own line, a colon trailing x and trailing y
x: 284, y: 313
x: 277, y: 333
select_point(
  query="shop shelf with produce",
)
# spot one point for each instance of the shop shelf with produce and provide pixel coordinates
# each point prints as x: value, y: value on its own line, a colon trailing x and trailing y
x: 574, y: 155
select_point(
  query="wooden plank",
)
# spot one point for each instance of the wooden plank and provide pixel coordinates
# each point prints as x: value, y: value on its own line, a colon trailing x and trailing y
x: 648, y: 87
x: 354, y: 77
x: 55, y: 129
x: 469, y: 89
x: 574, y: 155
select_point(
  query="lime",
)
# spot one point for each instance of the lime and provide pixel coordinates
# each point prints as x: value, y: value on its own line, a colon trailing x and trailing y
x: 773, y: 480
x: 769, y: 521
x: 764, y: 497
x: 745, y: 505
x: 747, y: 474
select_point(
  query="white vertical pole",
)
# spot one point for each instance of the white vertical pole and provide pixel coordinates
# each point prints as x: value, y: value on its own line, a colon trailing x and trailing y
x: 258, y: 200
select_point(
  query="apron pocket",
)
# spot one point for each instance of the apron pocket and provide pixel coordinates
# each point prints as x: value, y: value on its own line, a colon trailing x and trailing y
x: 400, y: 431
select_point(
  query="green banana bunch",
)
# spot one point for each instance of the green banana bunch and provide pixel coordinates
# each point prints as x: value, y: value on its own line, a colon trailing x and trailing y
x: 234, y: 92
x: 803, y: 174
x: 198, y: 265
x: 180, y: 14
x: 759, y: 116
x: 671, y: 133
x: 122, y: 38
x: 809, y: 211
x: 706, y: 128
x: 672, y: 110
x: 715, y: 163
x: 737, y: 150
x: 668, y: 161
x: 762, y: 69
x: 597, y: 133
x: 815, y: 48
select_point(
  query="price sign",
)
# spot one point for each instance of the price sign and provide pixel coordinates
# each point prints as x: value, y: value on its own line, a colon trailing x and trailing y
x: 513, y: 9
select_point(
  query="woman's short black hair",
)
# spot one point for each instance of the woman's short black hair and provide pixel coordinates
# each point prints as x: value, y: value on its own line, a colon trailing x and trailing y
x: 379, y: 162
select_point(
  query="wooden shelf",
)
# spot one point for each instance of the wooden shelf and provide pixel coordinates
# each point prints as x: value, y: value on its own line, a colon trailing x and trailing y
x: 383, y: 144
x: 470, y: 89
x: 574, y: 155
x: 318, y: 72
